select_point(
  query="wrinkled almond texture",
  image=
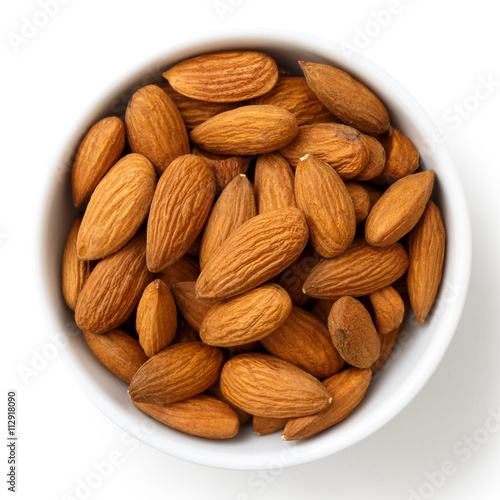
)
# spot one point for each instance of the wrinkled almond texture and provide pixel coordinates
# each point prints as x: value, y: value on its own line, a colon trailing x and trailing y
x: 376, y: 159
x: 243, y: 416
x: 388, y: 309
x: 360, y: 200
x: 263, y: 426
x: 186, y: 268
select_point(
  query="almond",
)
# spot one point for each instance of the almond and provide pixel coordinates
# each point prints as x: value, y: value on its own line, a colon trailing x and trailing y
x: 388, y: 308
x: 293, y: 94
x: 117, y: 208
x: 185, y: 332
x: 376, y: 159
x: 118, y: 351
x: 155, y: 127
x: 274, y: 183
x: 353, y: 333
x: 387, y: 343
x: 305, y: 342
x: 186, y: 268
x: 246, y: 318
x: 114, y: 288
x: 235, y: 206
x: 246, y: 131
x: 346, y: 97
x: 320, y: 309
x: 360, y: 200
x: 100, y: 148
x: 267, y: 386
x: 360, y: 270
x: 202, y: 416
x: 426, y: 247
x: 347, y: 389
x: 193, y: 111
x: 74, y: 272
x: 399, y: 209
x: 243, y: 416
x: 192, y: 308
x: 338, y: 145
x: 327, y: 205
x: 177, y: 373
x: 229, y: 76
x: 156, y: 318
x: 180, y: 207
x: 263, y: 426
x: 254, y: 253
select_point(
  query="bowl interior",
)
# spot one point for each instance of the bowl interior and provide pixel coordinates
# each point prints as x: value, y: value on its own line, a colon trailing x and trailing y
x: 419, y: 348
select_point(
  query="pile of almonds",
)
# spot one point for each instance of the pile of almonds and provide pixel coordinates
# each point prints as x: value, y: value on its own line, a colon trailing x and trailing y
x: 249, y: 244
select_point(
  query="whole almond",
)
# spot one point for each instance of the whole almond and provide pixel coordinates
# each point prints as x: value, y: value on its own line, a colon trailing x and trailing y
x: 376, y: 159
x: 353, y: 333
x: 426, y: 248
x: 118, y: 351
x: 186, y: 268
x: 202, y: 415
x: 180, y: 207
x: 229, y: 76
x: 156, y: 321
x: 325, y: 201
x: 347, y: 388
x: 293, y: 94
x: 193, y: 309
x: 267, y: 386
x: 388, y: 308
x: 360, y: 200
x: 100, y: 148
x: 255, y: 252
x: 399, y: 209
x: 117, y: 208
x: 235, y: 206
x: 305, y: 342
x: 243, y: 416
x: 114, y: 288
x: 155, y: 127
x: 263, y: 426
x: 360, y: 270
x: 346, y: 97
x: 338, y: 145
x: 193, y: 111
x: 246, y: 131
x: 177, y: 373
x: 74, y: 272
x: 248, y: 317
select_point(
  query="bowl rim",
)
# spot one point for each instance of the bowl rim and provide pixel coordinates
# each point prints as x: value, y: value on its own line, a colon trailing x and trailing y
x: 321, y: 448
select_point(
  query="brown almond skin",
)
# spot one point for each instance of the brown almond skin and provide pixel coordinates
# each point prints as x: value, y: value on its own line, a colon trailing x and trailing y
x: 254, y: 253
x: 402, y: 156
x: 346, y: 97
x: 193, y: 111
x: 426, y: 248
x: 99, y: 150
x: 180, y: 207
x: 347, y: 389
x: 360, y: 270
x: 267, y: 386
x: 325, y: 201
x: 273, y: 183
x: 305, y: 342
x: 293, y: 94
x: 228, y: 76
x: 74, y: 272
x: 202, y: 416
x: 246, y: 318
x: 114, y: 288
x: 376, y: 159
x: 187, y: 268
x: 360, y: 200
x: 246, y: 131
x: 118, y: 351
x: 155, y: 127
x: 262, y: 426
x: 225, y: 168
x: 117, y: 208
x: 387, y: 343
x: 156, y: 320
x: 234, y: 207
x: 243, y: 416
x: 353, y: 333
x: 192, y: 308
x: 185, y: 332
x: 338, y: 145
x: 388, y: 308
x: 179, y: 372
x: 399, y: 209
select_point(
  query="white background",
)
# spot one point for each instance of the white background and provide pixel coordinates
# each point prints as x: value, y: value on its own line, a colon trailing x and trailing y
x: 441, y: 52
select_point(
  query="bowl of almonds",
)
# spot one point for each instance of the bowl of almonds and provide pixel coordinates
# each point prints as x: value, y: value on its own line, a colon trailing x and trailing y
x: 260, y: 251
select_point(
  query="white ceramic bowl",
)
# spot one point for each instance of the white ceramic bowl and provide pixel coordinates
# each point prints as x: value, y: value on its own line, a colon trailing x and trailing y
x: 419, y: 349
